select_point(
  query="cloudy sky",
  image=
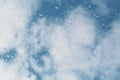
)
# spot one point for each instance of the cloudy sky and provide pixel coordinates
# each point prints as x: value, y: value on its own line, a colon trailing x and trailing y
x: 59, y: 40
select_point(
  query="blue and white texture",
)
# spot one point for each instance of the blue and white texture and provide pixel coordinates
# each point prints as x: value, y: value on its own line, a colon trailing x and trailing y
x: 59, y: 39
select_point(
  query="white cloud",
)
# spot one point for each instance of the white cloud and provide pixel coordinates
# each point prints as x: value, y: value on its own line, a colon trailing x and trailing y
x: 70, y: 45
x: 13, y: 18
